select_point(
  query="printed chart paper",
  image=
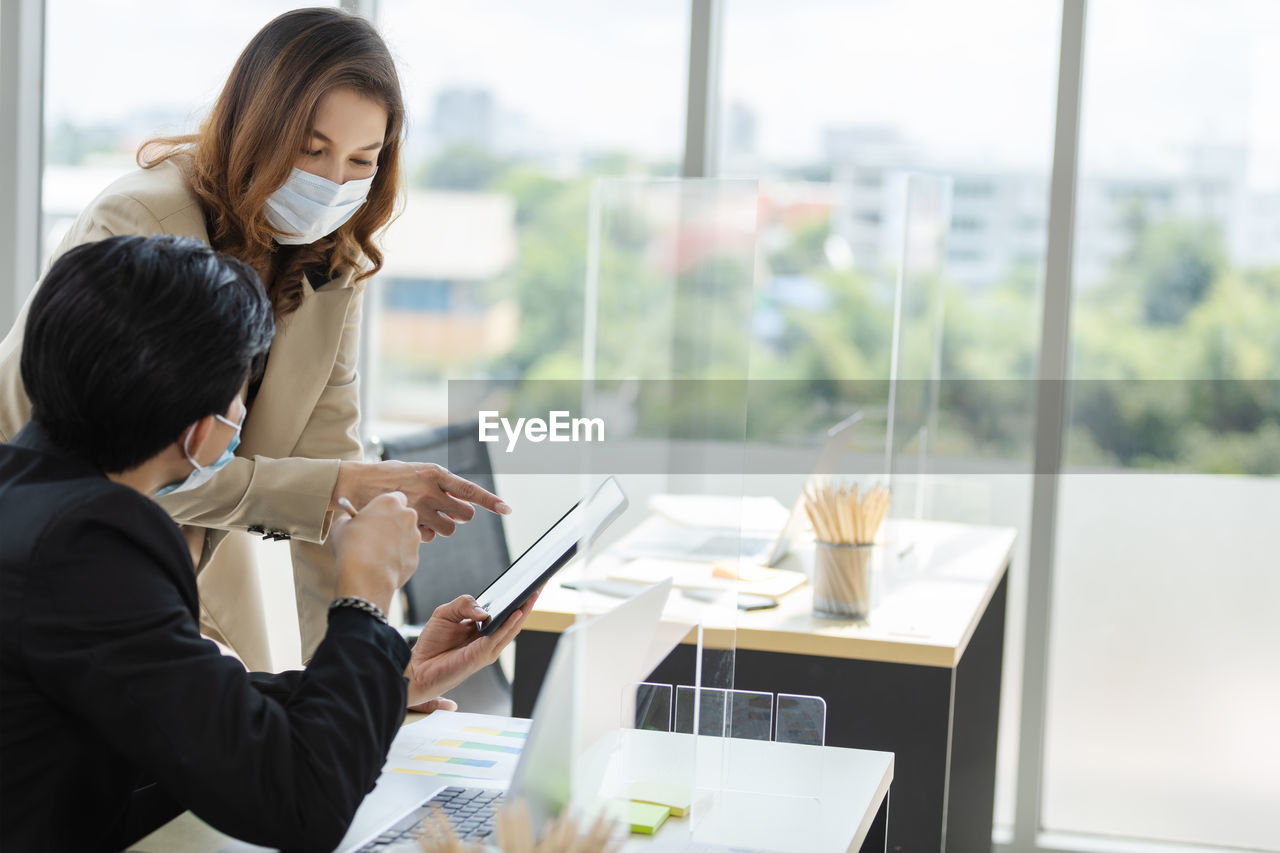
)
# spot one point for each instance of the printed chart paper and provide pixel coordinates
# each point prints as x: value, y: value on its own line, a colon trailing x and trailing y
x: 460, y: 749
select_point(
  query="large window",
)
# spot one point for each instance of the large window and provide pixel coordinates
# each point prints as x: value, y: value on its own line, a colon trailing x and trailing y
x: 961, y: 90
x: 1163, y: 685
x: 1162, y: 682
x: 118, y: 73
x: 514, y: 111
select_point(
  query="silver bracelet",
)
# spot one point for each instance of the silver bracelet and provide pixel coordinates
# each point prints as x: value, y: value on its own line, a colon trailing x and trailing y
x: 357, y: 603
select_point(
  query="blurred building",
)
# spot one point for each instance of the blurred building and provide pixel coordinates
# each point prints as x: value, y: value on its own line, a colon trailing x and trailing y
x: 440, y: 252
x: 472, y: 117
x: 463, y: 116
x: 740, y: 132
x: 1000, y: 214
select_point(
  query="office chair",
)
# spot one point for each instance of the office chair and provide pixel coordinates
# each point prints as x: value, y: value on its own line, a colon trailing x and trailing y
x: 462, y: 564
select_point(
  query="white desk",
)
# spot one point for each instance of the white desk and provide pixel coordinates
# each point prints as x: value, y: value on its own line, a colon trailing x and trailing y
x: 919, y: 678
x: 792, y: 797
x: 934, y: 602
x: 812, y: 798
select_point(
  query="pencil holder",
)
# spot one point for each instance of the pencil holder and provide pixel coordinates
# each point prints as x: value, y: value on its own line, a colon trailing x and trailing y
x: 842, y: 576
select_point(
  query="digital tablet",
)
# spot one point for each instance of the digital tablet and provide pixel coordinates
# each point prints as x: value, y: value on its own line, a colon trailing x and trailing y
x: 582, y: 523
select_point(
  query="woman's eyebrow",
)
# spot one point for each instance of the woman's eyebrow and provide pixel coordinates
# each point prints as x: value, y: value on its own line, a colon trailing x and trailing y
x: 372, y: 146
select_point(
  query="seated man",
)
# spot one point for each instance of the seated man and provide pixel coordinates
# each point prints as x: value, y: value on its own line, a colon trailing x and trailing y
x: 114, y: 714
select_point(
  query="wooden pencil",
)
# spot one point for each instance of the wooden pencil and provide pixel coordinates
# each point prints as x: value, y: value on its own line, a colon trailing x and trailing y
x: 846, y: 516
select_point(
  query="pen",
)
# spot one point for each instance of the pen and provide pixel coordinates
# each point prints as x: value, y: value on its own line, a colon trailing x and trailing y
x: 346, y: 504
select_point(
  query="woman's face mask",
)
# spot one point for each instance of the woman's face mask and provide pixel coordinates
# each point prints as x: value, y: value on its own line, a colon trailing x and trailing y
x: 309, y: 207
x: 200, y: 474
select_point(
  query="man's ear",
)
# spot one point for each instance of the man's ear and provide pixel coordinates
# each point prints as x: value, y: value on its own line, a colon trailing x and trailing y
x: 197, y: 435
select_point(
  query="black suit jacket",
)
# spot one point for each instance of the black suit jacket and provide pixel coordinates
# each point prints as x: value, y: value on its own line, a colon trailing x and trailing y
x: 115, y: 714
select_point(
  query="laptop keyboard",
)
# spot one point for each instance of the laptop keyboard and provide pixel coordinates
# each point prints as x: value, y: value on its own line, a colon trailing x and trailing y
x: 469, y: 810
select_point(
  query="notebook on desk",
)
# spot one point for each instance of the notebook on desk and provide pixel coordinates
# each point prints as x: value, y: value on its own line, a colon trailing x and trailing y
x: 709, y: 577
x: 571, y: 709
x: 691, y: 527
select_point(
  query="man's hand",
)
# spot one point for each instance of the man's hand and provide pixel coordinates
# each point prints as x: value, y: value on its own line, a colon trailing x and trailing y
x: 450, y: 649
x: 377, y: 551
x: 442, y: 499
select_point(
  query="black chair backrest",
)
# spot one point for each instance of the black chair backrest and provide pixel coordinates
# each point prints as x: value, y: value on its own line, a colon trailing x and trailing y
x: 469, y: 560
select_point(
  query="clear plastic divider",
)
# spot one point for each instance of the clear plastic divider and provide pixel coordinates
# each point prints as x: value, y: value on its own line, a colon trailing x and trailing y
x: 668, y: 301
x: 653, y: 707
x: 922, y: 209
x: 801, y: 719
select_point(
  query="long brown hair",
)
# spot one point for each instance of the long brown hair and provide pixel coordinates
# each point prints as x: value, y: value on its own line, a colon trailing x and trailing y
x: 245, y: 150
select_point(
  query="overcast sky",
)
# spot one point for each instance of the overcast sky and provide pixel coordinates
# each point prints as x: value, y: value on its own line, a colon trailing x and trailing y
x: 967, y: 81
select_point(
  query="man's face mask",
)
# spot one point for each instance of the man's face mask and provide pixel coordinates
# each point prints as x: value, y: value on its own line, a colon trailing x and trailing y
x: 200, y: 474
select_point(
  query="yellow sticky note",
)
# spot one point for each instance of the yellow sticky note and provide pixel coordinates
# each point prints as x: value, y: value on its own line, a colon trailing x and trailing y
x: 645, y: 818
x: 677, y: 798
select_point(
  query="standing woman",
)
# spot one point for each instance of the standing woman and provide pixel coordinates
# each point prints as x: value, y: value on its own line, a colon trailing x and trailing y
x: 295, y: 172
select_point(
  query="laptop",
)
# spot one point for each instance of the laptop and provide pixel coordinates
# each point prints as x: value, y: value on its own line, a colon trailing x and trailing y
x: 582, y: 698
x: 708, y: 544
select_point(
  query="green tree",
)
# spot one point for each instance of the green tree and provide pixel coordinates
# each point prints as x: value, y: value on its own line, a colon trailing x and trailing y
x: 1174, y: 264
x: 547, y: 279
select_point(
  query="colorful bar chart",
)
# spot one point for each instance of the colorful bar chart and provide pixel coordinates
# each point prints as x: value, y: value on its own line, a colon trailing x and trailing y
x: 480, y: 745
x: 477, y: 730
x: 458, y: 746
x: 447, y: 759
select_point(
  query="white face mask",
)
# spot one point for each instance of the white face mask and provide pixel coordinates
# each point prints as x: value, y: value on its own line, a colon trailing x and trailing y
x: 309, y: 207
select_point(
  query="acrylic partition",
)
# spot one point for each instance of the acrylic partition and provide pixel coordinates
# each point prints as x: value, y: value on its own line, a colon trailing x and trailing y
x: 656, y: 399
x: 920, y: 213
x: 668, y: 305
x: 850, y: 318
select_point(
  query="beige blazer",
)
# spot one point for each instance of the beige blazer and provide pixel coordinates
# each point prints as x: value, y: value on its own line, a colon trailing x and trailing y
x: 304, y: 419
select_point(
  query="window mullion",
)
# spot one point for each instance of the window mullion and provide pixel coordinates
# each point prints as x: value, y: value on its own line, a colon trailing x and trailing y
x: 1051, y: 413
x: 21, y: 151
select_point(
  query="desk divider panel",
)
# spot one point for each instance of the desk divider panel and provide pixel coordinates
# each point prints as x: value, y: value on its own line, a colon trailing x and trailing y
x: 801, y: 719
x: 724, y: 713
x: 670, y: 368
x: 920, y: 211
x: 668, y: 301
x: 734, y: 716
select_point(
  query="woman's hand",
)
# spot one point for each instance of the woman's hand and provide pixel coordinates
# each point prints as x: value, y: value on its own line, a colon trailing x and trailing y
x: 442, y: 499
x: 449, y: 649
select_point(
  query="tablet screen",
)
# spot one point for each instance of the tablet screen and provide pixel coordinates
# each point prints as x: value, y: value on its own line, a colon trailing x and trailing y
x: 582, y: 523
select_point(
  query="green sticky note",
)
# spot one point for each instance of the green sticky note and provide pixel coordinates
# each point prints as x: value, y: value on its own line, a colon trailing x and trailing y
x: 678, y: 798
x: 645, y: 818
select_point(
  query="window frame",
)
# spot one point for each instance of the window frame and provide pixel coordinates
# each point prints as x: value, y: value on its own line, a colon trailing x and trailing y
x: 22, y: 34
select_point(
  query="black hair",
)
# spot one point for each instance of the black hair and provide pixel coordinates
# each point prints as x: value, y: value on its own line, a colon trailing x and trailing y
x: 130, y: 340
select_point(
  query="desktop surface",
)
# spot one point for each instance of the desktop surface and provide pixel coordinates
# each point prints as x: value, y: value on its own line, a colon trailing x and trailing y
x: 758, y: 795
x: 930, y: 654
x: 935, y: 597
